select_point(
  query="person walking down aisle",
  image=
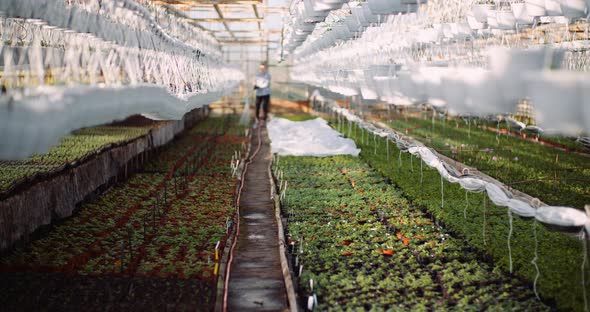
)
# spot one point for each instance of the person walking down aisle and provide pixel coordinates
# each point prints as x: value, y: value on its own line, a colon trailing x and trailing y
x: 262, y: 88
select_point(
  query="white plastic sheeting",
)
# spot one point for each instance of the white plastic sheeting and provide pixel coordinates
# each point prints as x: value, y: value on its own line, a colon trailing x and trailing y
x: 308, y: 138
x: 85, y: 63
x: 35, y: 122
x: 432, y: 56
x: 495, y: 190
x: 556, y: 215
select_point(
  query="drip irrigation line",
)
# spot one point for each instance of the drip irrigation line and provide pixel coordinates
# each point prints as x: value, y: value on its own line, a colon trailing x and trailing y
x: 231, y: 251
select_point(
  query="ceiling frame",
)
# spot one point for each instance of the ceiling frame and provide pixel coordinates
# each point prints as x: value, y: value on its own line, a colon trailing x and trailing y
x: 254, y: 42
x: 216, y: 7
x: 225, y: 20
x: 209, y: 2
x: 216, y: 17
x: 267, y: 31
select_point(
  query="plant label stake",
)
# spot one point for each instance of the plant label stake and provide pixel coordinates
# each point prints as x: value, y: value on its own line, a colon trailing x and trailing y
x: 217, y: 251
x: 310, y: 303
x: 284, y: 193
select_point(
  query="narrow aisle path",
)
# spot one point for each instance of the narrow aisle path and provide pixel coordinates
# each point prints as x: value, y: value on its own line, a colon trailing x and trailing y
x: 256, y: 280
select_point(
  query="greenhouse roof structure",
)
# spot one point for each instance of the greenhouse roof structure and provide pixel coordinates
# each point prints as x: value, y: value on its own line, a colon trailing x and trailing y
x: 295, y: 155
x: 236, y: 23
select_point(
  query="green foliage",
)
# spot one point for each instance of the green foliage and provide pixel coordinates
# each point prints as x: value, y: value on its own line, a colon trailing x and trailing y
x: 486, y: 226
x: 302, y: 117
x: 368, y: 248
x: 111, y: 228
x: 74, y: 147
x: 555, y: 176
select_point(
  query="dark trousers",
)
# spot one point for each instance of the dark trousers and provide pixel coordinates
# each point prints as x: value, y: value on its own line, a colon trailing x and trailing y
x: 263, y: 101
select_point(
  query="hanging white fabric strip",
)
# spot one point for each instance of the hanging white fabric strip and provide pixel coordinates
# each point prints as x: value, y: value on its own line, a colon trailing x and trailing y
x: 496, y: 191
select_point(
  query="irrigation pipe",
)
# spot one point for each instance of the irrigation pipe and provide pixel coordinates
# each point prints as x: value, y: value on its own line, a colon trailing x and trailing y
x: 231, y: 251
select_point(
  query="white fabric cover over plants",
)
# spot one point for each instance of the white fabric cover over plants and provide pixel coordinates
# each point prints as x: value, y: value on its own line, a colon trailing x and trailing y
x: 86, y: 63
x: 497, y: 193
x: 308, y: 138
x: 34, y: 123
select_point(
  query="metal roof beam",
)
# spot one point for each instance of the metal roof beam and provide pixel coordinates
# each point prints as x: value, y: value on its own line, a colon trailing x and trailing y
x: 228, y: 20
x: 257, y: 15
x: 209, y: 2
x: 216, y: 7
x: 268, y: 31
x: 255, y: 42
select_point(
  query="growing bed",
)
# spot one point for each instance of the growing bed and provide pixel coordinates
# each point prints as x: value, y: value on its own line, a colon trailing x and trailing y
x: 366, y: 246
x: 552, y: 261
x: 164, y: 222
x: 555, y: 176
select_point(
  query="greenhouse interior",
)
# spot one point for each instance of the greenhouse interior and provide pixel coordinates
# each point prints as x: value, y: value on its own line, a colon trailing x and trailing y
x: 295, y: 155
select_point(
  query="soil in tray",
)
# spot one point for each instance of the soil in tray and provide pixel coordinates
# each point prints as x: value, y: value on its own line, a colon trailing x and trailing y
x: 365, y: 265
x: 91, y: 242
x: 62, y: 292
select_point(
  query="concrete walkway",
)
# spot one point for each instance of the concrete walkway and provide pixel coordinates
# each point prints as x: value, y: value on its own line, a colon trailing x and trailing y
x: 256, y: 280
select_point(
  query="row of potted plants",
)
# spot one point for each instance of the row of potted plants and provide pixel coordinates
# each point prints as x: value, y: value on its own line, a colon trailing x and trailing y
x: 184, y: 247
x: 144, y: 226
x: 73, y: 147
x: 552, y: 261
x: 359, y: 243
x: 555, y: 176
